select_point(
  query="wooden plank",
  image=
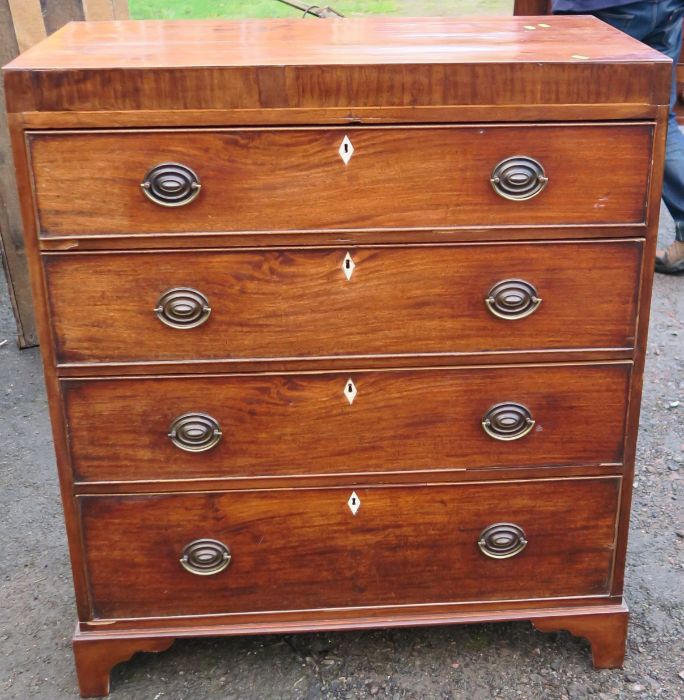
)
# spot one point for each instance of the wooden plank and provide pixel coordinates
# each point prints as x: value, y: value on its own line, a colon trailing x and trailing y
x: 97, y: 10
x: 58, y: 12
x: 27, y: 18
x: 120, y: 9
x: 11, y: 237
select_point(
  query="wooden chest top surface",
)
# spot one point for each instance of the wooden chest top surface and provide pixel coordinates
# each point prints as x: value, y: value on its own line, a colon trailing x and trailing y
x: 348, y: 41
x: 346, y: 63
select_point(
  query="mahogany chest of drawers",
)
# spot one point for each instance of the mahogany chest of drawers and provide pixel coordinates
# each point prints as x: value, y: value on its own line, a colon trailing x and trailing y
x: 343, y: 322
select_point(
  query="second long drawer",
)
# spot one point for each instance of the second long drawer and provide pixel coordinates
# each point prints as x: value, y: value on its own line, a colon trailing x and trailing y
x: 327, y: 423
x: 366, y: 301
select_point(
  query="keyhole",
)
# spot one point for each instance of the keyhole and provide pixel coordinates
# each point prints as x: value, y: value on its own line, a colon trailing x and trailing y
x: 350, y: 389
x: 353, y: 501
x: 346, y: 148
x: 347, y: 263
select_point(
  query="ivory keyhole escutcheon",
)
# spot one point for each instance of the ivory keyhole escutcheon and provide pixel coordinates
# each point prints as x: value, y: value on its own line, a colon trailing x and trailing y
x: 354, y: 503
x: 348, y: 266
x: 346, y: 150
x: 350, y: 391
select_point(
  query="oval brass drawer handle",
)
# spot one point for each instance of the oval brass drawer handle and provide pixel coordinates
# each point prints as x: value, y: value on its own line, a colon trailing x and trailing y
x: 502, y: 540
x: 518, y: 178
x: 512, y: 299
x: 195, y: 432
x: 182, y: 307
x: 507, y: 421
x: 171, y: 184
x: 205, y: 557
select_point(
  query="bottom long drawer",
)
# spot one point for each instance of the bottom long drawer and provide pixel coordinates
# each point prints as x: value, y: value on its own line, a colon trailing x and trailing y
x: 249, y: 551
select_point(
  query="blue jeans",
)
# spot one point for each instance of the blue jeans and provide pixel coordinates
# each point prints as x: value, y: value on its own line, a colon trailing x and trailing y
x: 658, y: 23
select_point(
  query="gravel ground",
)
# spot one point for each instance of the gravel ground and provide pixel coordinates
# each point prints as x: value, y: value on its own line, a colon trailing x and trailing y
x: 509, y: 661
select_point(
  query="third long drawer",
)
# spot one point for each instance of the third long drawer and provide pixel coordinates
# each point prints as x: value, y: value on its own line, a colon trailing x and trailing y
x: 359, y: 422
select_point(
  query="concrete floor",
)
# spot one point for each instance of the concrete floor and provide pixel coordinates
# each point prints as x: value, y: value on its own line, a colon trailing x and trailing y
x: 476, y: 662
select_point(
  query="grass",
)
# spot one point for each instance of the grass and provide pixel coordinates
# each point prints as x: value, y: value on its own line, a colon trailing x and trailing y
x: 197, y: 9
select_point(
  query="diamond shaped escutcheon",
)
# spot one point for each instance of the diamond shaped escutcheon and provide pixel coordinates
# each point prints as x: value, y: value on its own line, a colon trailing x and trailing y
x: 354, y: 503
x: 346, y: 150
x: 348, y: 266
x: 350, y: 391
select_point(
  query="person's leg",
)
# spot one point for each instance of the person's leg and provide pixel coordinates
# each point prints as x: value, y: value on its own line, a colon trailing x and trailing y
x: 636, y: 19
x: 667, y: 38
x: 659, y: 24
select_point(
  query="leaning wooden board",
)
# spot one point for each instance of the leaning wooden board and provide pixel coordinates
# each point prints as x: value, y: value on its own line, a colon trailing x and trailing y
x: 24, y: 23
x: 330, y: 309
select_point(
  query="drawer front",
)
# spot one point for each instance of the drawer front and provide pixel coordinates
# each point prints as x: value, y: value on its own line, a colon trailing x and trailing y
x: 305, y: 549
x: 89, y: 183
x: 300, y: 303
x: 384, y: 421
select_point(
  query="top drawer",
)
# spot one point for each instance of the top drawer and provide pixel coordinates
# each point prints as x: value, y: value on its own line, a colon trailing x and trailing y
x: 292, y: 179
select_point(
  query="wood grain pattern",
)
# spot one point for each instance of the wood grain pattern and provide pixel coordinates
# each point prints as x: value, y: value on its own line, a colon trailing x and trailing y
x: 303, y: 424
x: 303, y: 549
x: 298, y: 303
x: 352, y: 63
x: 294, y: 179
